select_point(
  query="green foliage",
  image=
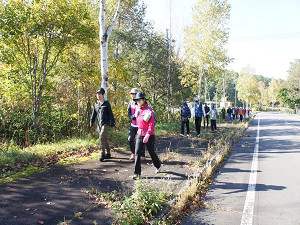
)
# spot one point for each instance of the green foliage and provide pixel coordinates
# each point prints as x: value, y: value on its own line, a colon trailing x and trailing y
x: 247, y: 87
x: 34, y: 34
x: 289, y: 93
x: 143, y: 203
x: 205, y: 40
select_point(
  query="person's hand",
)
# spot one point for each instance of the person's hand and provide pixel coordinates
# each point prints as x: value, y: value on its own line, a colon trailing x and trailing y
x: 146, y: 138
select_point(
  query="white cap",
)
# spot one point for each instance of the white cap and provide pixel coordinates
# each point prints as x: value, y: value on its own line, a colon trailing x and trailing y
x: 134, y: 91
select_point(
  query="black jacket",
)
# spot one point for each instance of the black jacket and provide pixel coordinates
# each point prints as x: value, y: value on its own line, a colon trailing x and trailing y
x: 103, y: 113
x: 206, y: 109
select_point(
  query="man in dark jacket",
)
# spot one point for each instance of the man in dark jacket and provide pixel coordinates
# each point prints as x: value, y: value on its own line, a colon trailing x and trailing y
x: 198, y: 113
x: 102, y: 110
x: 223, y: 113
x: 229, y: 111
x: 185, y: 116
x: 206, y: 117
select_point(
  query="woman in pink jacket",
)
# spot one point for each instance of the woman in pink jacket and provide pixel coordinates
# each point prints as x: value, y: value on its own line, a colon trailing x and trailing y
x: 145, y: 121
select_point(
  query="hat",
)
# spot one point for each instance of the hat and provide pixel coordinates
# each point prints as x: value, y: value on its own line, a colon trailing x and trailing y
x: 197, y: 99
x: 184, y: 103
x: 140, y: 95
x: 134, y: 91
x: 101, y: 91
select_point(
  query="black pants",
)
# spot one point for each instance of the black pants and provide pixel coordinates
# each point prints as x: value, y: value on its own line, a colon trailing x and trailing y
x: 140, y: 148
x: 206, y: 118
x: 241, y: 118
x: 198, y: 124
x: 213, y: 124
x: 187, y: 127
x: 131, y: 139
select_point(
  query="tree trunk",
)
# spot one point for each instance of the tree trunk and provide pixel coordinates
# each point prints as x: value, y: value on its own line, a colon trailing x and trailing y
x: 104, y: 37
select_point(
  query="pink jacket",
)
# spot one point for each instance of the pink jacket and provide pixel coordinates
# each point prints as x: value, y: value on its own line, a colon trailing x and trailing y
x: 145, y: 127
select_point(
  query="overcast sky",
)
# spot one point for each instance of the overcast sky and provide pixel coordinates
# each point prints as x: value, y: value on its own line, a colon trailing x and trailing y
x: 264, y: 34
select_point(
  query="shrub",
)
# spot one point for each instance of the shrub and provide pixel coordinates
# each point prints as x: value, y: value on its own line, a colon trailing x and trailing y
x: 142, y: 204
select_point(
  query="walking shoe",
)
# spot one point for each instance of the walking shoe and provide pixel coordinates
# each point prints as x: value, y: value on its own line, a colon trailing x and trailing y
x: 107, y: 156
x: 135, y: 176
x: 132, y: 156
x: 198, y: 135
x: 187, y: 135
x: 181, y: 135
x: 142, y: 157
x: 102, y: 157
x: 158, y: 170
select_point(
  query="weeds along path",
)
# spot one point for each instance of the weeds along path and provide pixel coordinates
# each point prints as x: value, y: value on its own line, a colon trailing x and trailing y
x: 61, y: 195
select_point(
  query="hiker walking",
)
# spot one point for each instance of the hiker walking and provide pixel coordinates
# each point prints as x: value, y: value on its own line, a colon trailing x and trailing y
x: 206, y: 117
x: 229, y: 111
x: 237, y: 113
x: 102, y: 110
x: 132, y: 106
x: 233, y: 113
x: 213, y: 117
x: 185, y: 115
x: 199, y: 112
x: 145, y: 122
x: 241, y: 113
x: 223, y: 113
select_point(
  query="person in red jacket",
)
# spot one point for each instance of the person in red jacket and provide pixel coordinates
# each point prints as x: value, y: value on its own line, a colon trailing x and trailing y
x: 145, y: 121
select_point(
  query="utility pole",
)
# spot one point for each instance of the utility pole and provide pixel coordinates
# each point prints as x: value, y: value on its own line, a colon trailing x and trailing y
x: 216, y: 98
x: 224, y: 101
x: 169, y: 94
x: 200, y: 81
x: 205, y: 89
x: 235, y: 96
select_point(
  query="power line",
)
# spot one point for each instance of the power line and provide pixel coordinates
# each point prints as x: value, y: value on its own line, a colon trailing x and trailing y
x: 267, y: 37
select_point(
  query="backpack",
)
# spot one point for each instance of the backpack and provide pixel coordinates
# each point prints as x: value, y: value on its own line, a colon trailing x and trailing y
x: 148, y: 108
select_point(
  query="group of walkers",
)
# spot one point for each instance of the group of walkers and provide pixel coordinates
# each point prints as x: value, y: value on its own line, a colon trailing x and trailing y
x: 236, y: 113
x: 142, y: 126
x: 200, y: 111
x: 204, y: 111
x: 141, y: 132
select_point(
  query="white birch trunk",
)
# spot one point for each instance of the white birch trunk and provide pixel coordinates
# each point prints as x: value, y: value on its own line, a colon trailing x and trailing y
x: 104, y: 37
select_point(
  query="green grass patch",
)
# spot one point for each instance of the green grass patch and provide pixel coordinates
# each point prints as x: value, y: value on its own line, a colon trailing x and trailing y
x: 5, y: 178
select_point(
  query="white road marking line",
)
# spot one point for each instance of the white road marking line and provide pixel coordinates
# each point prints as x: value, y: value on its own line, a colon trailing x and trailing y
x: 292, y: 125
x: 247, y: 217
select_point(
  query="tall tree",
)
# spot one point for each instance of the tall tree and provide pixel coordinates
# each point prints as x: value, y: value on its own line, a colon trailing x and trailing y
x: 34, y: 34
x: 273, y: 91
x: 104, y: 34
x: 290, y: 90
x: 247, y: 87
x: 205, y: 39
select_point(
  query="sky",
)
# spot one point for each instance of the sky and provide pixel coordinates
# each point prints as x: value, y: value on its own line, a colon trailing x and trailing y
x: 264, y: 34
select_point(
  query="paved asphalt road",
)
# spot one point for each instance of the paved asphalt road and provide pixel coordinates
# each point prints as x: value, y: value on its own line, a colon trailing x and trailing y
x: 260, y: 183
